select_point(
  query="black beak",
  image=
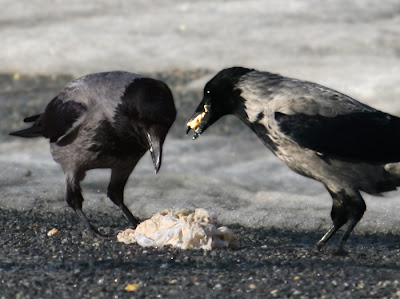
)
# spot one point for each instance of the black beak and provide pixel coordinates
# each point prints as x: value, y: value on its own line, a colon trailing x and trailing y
x: 200, y: 120
x: 155, y: 148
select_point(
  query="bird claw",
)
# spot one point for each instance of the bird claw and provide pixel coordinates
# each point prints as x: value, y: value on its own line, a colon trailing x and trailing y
x: 341, y: 251
x: 318, y: 247
x: 94, y: 233
x: 91, y: 230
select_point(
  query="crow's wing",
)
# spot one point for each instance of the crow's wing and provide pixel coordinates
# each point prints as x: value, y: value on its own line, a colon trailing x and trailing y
x: 320, y: 118
x: 329, y: 122
x: 62, y: 120
x: 369, y: 136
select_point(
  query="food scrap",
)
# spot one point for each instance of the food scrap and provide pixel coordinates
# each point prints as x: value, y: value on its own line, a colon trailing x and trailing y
x: 132, y: 287
x: 183, y: 229
x: 196, y: 121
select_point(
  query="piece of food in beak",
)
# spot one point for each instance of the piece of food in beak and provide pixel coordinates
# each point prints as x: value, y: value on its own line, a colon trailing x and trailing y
x: 193, y: 124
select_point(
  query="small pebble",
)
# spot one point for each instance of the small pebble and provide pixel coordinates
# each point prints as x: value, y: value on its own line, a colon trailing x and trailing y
x: 252, y: 286
x: 53, y: 232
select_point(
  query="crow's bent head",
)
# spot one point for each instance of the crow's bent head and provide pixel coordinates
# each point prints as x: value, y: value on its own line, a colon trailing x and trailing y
x: 150, y: 106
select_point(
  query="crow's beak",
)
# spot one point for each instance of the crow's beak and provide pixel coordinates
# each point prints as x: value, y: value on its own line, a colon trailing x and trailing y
x: 200, y: 120
x: 155, y: 148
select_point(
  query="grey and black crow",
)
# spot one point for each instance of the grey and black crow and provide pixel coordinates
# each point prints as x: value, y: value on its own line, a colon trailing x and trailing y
x: 105, y: 120
x: 316, y: 131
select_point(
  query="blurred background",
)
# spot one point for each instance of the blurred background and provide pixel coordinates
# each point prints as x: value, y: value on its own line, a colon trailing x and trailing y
x: 351, y: 46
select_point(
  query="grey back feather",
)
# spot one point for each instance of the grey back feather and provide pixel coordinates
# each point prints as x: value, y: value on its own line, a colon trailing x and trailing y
x: 290, y: 96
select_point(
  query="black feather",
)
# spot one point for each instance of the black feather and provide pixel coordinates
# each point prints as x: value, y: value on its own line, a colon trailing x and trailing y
x: 59, y: 117
x: 369, y: 136
x: 55, y: 122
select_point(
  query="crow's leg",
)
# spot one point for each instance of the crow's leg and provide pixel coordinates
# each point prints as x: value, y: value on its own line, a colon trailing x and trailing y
x: 347, y: 205
x: 355, y: 207
x: 119, y: 177
x: 75, y: 200
x: 338, y: 215
x: 358, y: 208
x: 326, y: 237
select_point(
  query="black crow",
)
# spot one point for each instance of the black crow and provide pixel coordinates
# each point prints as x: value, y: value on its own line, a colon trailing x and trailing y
x: 105, y: 120
x: 316, y: 131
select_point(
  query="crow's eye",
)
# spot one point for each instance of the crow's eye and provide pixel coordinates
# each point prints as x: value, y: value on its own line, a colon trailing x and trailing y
x: 208, y: 92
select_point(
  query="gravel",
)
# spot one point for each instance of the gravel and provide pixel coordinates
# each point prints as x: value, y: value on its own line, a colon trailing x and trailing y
x: 269, y: 263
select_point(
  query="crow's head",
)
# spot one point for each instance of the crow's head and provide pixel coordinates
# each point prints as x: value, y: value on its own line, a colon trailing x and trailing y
x: 151, y: 108
x: 221, y: 97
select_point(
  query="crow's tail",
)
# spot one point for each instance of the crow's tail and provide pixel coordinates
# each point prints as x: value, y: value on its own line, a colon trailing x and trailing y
x: 35, y: 131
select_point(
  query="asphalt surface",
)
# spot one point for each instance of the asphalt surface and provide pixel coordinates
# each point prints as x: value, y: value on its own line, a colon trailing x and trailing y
x: 269, y: 263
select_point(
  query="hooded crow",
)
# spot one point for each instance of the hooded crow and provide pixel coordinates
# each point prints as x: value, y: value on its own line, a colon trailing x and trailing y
x: 316, y: 131
x: 105, y: 120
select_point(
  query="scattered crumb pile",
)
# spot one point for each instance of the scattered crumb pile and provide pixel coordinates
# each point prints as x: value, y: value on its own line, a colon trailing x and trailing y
x: 185, y: 229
